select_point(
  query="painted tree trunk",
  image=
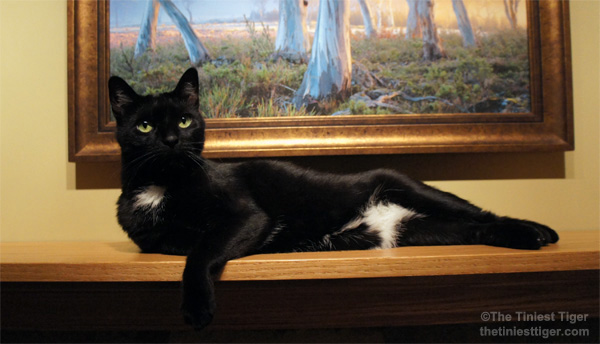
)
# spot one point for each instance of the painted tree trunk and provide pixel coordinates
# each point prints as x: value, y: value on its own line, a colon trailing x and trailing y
x: 432, y: 46
x: 370, y: 31
x: 195, y: 48
x: 329, y: 71
x: 510, y: 8
x: 292, y: 38
x: 379, y: 16
x: 413, y: 27
x: 392, y: 21
x: 147, y: 36
x: 464, y: 24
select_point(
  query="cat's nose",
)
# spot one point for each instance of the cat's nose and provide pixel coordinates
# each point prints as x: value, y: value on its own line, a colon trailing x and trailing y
x: 171, y: 140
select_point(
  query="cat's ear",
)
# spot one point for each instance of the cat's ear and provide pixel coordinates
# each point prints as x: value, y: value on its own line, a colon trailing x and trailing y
x: 187, y: 88
x: 121, y: 95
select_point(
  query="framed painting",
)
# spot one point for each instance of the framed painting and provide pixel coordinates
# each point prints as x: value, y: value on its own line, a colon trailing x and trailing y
x: 394, y: 77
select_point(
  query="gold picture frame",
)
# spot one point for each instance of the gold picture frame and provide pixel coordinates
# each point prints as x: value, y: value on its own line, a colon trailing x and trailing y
x: 548, y: 127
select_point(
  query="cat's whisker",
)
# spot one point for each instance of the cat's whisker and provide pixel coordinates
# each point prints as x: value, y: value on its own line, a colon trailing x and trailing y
x: 199, y: 161
x: 201, y: 143
x: 140, y: 158
x: 139, y: 161
x: 134, y: 166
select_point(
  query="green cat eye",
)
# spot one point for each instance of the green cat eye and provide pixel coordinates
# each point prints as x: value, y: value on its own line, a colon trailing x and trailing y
x: 185, y: 122
x: 144, y: 127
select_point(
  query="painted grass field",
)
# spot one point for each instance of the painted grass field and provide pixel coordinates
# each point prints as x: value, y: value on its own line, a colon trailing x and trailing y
x: 389, y: 74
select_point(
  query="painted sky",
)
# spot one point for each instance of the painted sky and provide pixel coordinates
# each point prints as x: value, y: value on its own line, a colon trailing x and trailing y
x: 128, y: 13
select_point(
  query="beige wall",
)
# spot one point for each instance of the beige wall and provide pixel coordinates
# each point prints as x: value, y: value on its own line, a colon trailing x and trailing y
x: 44, y: 197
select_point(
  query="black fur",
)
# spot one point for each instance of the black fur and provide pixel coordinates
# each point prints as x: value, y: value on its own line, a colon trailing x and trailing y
x: 214, y: 212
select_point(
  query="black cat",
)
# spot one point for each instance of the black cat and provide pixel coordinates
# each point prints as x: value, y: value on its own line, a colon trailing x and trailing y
x: 174, y: 201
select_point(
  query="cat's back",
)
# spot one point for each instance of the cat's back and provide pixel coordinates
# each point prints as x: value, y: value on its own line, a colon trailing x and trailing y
x: 264, y: 173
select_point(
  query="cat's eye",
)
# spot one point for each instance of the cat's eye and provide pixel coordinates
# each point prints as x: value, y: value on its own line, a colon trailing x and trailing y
x: 185, y: 122
x: 144, y: 127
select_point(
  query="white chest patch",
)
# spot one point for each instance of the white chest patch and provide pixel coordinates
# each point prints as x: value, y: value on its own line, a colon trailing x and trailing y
x: 149, y: 198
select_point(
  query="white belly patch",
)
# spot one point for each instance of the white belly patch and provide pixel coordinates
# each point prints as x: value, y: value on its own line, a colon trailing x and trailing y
x: 149, y: 198
x: 384, y: 219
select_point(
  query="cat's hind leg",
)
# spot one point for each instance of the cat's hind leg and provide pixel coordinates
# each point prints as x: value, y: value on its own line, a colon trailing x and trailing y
x: 446, y: 219
x: 505, y: 232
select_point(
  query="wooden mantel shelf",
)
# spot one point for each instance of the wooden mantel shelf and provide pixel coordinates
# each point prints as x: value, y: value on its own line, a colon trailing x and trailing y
x: 122, y: 262
x: 111, y: 286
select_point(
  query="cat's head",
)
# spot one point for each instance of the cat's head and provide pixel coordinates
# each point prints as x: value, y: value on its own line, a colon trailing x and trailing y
x: 165, y: 129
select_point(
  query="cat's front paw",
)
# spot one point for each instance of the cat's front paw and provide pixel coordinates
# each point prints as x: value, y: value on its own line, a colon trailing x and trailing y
x: 198, y: 314
x: 518, y: 234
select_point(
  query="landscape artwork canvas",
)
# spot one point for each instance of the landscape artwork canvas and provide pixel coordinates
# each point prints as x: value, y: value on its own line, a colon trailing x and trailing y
x: 293, y: 58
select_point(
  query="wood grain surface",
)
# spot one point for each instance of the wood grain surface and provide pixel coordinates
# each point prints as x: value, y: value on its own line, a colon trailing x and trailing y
x: 122, y: 262
x: 41, y: 286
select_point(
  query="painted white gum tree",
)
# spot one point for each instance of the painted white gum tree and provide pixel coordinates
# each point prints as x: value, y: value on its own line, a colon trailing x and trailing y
x: 421, y: 22
x: 147, y: 36
x: 365, y: 9
x: 392, y: 20
x: 413, y: 27
x: 464, y: 24
x: 329, y: 71
x: 432, y: 47
x: 510, y: 8
x: 291, y: 42
x: 385, y: 12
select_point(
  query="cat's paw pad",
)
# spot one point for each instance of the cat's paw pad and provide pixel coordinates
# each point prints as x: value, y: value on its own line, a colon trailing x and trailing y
x: 519, y: 234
